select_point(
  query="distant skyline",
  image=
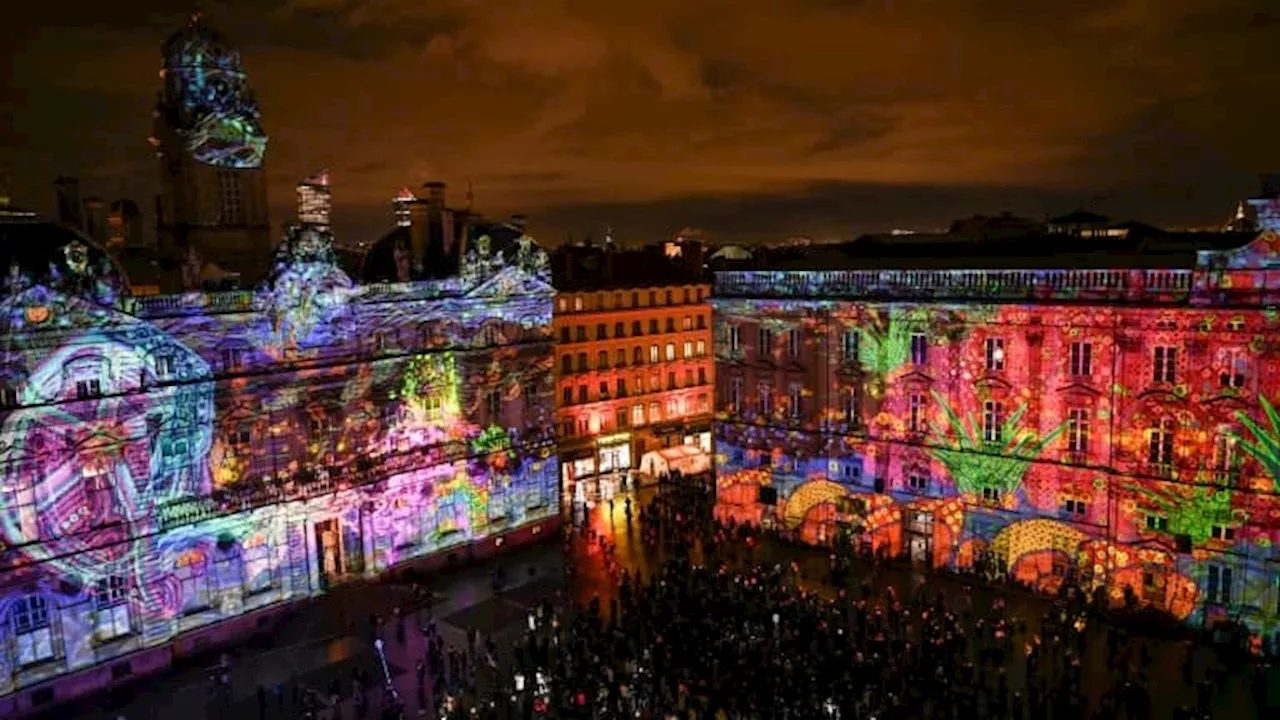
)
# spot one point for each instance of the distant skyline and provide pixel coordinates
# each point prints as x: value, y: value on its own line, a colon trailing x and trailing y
x: 753, y: 120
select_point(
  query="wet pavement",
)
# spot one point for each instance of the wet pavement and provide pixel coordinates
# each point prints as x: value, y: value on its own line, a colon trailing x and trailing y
x: 326, y: 640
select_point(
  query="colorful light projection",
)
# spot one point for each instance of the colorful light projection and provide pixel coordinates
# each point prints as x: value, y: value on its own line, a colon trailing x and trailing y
x: 204, y: 455
x: 1038, y: 439
x: 208, y: 101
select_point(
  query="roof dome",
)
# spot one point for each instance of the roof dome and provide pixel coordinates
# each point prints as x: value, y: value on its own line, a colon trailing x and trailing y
x: 198, y: 45
x: 37, y: 252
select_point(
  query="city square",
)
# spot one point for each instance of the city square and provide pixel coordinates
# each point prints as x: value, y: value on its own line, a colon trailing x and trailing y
x: 727, y: 427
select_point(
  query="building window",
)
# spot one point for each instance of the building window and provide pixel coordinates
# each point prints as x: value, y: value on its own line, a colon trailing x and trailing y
x: 566, y: 364
x: 1158, y: 523
x: 653, y: 354
x: 654, y: 412
x: 88, y: 389
x: 8, y: 397
x: 259, y: 572
x: 688, y: 349
x: 653, y: 327
x: 671, y: 351
x: 735, y: 339
x: 794, y: 341
x: 766, y: 400
x: 601, y: 332
x: 1233, y: 367
x: 635, y: 300
x: 637, y: 414
x: 688, y: 377
x: 1078, y: 430
x: 1222, y: 532
x: 1076, y: 509
x: 995, y: 354
x: 620, y: 358
x: 563, y: 304
x: 637, y: 355
x: 1164, y: 363
x: 849, y: 345
x: 1218, y: 585
x: 700, y: 348
x: 577, y: 303
x: 1224, y: 456
x: 735, y: 393
x: 230, y: 208
x: 241, y: 436
x: 1160, y: 443
x: 564, y: 335
x: 232, y: 359
x: 671, y: 325
x: 992, y: 421
x: 653, y: 298
x: 919, y: 349
x: 602, y: 360
x: 795, y: 396
x: 582, y: 362
x: 493, y: 402
x: 165, y: 367
x: 636, y: 330
x: 687, y: 323
x: 111, y: 608
x: 671, y: 381
x: 673, y: 408
x: 916, y: 414
x: 622, y: 387
x: 619, y: 330
x: 582, y: 394
x: 669, y: 296
x: 1081, y: 359
x: 702, y: 321
x: 702, y: 376
x: 765, y: 344
x: 620, y: 418
x: 604, y: 389
x: 852, y: 399
x: 193, y: 581
x: 567, y: 396
x: 991, y: 494
x: 580, y: 333
x: 918, y: 482
x: 32, y: 630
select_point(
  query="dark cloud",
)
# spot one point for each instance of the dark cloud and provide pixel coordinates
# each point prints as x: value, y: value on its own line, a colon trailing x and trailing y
x: 750, y: 118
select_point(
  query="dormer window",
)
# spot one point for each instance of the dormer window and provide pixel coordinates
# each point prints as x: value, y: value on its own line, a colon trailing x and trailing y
x: 88, y: 389
x: 165, y: 367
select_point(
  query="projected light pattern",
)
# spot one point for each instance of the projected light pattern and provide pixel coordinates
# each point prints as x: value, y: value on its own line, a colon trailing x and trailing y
x: 209, y: 101
x: 1129, y: 446
x: 171, y: 462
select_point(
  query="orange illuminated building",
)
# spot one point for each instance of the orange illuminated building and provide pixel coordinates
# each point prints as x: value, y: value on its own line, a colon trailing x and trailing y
x: 634, y: 369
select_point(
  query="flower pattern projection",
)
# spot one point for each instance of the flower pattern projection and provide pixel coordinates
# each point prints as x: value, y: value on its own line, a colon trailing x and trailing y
x: 1154, y: 486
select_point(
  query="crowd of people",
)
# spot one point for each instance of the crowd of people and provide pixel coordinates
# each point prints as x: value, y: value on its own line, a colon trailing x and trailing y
x: 708, y: 626
x: 709, y: 631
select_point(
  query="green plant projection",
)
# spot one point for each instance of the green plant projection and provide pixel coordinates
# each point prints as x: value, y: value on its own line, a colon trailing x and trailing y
x: 975, y: 463
x: 1192, y: 510
x: 1265, y: 443
x: 430, y: 389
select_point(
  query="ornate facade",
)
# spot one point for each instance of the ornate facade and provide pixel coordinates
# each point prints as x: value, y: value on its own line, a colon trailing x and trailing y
x: 172, y: 463
x: 1111, y: 425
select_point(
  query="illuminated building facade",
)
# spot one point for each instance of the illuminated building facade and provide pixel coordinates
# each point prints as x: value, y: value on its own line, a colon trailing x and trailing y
x: 174, y: 468
x: 211, y: 146
x: 1111, y: 424
x: 315, y: 200
x: 634, y: 371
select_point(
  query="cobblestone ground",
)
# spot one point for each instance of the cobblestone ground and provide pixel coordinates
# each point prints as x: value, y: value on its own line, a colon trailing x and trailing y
x: 328, y: 638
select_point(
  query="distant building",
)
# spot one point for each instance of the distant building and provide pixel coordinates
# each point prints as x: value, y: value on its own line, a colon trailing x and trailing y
x: 400, y: 207
x: 315, y: 200
x: 211, y: 146
x: 634, y: 371
x: 96, y: 222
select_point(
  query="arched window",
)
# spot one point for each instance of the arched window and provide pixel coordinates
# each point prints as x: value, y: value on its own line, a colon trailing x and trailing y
x: 111, y: 608
x: 32, y: 630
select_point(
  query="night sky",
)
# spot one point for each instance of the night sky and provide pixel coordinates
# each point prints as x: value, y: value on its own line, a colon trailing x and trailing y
x: 751, y: 119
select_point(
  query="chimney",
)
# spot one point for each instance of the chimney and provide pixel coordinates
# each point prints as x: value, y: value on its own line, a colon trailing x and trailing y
x: 418, y: 224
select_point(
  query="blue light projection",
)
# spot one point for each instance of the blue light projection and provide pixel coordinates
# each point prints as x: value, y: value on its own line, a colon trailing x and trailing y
x: 209, y: 101
x: 170, y: 462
